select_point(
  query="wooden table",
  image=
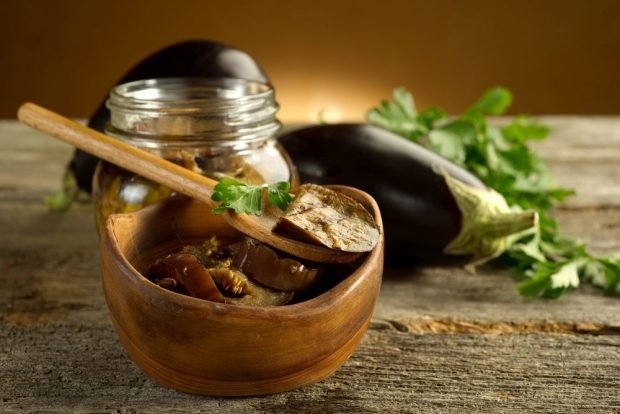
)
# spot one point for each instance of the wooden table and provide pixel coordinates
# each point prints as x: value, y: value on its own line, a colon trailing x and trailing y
x: 442, y: 340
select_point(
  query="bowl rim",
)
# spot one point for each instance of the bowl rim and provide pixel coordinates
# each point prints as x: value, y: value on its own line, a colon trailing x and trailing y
x: 305, y: 308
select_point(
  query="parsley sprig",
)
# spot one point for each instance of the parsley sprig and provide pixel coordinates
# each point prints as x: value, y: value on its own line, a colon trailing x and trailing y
x: 244, y: 198
x: 547, y: 263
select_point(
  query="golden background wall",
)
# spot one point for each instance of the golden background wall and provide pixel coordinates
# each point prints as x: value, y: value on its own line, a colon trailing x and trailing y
x: 340, y: 56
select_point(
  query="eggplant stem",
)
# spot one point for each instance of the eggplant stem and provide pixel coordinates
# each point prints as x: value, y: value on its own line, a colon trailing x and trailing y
x: 488, y: 226
x: 508, y: 224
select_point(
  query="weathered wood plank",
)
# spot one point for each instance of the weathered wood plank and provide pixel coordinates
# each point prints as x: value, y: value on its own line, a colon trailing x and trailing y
x: 81, y: 368
x: 583, y: 153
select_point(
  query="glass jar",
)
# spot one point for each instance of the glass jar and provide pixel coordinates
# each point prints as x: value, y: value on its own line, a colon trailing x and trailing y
x: 214, y: 126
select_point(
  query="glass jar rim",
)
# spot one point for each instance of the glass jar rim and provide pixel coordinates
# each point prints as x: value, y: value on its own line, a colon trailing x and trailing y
x: 184, y: 109
x: 198, y: 94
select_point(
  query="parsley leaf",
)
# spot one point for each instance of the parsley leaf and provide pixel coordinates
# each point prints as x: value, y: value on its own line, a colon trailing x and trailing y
x: 278, y: 194
x: 550, y: 279
x: 604, y: 273
x: 547, y: 263
x: 494, y: 101
x: 450, y: 140
x: 401, y: 116
x: 523, y: 129
x: 244, y: 198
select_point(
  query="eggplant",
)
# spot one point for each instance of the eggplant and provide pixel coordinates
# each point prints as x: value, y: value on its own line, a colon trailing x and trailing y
x: 434, y: 212
x: 266, y: 266
x: 196, y: 58
x: 215, y: 280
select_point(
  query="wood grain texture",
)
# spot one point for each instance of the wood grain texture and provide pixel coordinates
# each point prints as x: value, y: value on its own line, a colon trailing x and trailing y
x: 83, y: 369
x: 441, y: 340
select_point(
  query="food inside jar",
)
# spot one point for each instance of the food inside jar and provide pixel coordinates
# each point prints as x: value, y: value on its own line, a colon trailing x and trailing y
x: 125, y: 192
x: 241, y: 271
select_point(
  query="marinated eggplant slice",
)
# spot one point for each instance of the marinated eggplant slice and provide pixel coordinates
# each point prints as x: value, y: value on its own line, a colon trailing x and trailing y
x: 167, y: 283
x: 245, y: 291
x: 187, y: 270
x: 326, y: 217
x: 264, y: 265
x: 232, y: 282
x: 205, y: 272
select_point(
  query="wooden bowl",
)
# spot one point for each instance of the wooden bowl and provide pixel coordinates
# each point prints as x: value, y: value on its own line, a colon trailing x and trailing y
x: 204, y: 347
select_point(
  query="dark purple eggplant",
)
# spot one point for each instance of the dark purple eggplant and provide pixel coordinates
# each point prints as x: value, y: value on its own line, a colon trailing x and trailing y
x: 414, y: 187
x: 195, y: 58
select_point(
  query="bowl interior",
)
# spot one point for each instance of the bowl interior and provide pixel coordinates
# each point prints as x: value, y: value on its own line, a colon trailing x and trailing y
x: 134, y: 235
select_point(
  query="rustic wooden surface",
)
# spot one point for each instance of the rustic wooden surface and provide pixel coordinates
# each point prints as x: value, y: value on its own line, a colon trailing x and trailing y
x: 441, y: 340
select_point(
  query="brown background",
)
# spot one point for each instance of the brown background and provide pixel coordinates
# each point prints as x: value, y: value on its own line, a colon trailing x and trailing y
x: 340, y: 56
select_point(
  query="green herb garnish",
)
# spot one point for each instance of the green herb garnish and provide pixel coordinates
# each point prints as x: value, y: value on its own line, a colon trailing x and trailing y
x: 547, y: 263
x: 244, y: 198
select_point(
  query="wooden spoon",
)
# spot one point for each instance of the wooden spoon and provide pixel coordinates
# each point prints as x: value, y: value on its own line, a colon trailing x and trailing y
x: 173, y: 176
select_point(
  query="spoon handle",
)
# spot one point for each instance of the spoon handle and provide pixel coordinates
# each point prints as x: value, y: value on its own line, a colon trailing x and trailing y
x: 117, y: 152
